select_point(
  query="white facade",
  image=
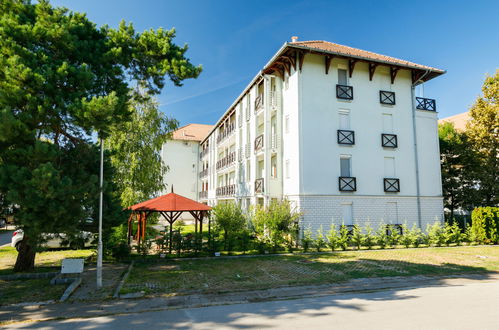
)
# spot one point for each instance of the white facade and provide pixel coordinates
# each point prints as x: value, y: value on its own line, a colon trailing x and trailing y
x: 279, y: 140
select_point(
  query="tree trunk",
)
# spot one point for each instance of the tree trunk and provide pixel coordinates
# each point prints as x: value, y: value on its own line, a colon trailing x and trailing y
x: 26, y: 258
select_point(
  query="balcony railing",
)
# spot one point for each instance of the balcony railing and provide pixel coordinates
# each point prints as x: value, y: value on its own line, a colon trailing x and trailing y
x: 203, y: 153
x: 228, y: 190
x: 203, y: 173
x: 346, y: 137
x: 425, y: 104
x: 240, y: 154
x: 391, y: 185
x: 229, y: 129
x: 346, y: 183
x: 274, y: 141
x: 259, y: 186
x: 247, y: 150
x: 273, y: 99
x: 258, y: 142
x: 226, y: 161
x: 203, y: 194
x: 389, y: 140
x: 258, y: 103
x: 386, y: 97
x: 344, y: 92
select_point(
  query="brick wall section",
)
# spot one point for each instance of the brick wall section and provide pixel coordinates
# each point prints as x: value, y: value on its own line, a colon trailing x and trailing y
x: 324, y: 210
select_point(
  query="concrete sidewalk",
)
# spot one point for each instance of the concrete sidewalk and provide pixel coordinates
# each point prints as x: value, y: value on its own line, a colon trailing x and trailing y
x: 124, y: 306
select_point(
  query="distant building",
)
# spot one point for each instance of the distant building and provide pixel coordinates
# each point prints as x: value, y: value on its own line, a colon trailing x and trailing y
x: 181, y: 155
x: 459, y: 120
x: 336, y: 130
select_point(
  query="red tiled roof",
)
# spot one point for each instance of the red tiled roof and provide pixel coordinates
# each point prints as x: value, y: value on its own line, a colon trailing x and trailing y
x: 355, y: 52
x: 192, y: 132
x: 170, y: 202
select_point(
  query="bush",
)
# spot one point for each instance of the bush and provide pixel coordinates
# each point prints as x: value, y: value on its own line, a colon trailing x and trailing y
x: 275, y: 222
x: 230, y: 220
x: 406, y: 238
x: 121, y: 251
x: 344, y: 237
x: 357, y: 236
x: 416, y: 236
x: 307, y: 240
x: 319, y: 241
x: 485, y: 224
x: 436, y: 234
x: 394, y: 235
x: 369, y: 237
x: 333, y: 238
x: 382, y: 236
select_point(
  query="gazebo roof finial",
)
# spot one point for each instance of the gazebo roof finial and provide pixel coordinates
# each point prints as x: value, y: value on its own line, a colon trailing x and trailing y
x: 172, y: 188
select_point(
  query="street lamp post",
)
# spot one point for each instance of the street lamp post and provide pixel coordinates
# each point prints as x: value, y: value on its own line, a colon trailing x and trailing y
x: 99, y: 246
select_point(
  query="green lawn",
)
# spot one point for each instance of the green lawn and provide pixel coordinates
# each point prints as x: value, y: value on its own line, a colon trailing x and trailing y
x: 44, y: 261
x: 223, y: 275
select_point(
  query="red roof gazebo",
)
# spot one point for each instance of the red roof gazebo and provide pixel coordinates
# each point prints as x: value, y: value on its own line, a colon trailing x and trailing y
x: 171, y: 206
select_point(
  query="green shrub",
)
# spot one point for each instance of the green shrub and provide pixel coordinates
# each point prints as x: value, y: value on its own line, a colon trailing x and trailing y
x: 406, y: 238
x: 485, y: 224
x: 319, y: 241
x: 333, y: 238
x: 394, y: 236
x: 436, y: 234
x: 357, y: 236
x: 307, y: 240
x: 230, y: 220
x: 382, y: 236
x: 344, y: 238
x: 121, y: 251
x: 416, y: 236
x: 369, y: 237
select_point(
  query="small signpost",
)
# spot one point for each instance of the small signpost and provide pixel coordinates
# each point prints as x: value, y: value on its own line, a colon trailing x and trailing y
x: 72, y: 266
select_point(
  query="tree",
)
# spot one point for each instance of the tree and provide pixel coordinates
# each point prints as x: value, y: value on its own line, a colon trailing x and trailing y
x: 483, y: 133
x: 230, y: 219
x: 61, y: 79
x: 458, y: 165
x: 135, y: 150
x: 275, y: 222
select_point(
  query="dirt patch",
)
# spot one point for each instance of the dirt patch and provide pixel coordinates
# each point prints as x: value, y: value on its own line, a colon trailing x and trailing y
x: 111, y: 276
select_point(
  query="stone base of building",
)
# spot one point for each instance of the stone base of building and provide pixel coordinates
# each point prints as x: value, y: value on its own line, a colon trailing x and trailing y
x: 325, y: 210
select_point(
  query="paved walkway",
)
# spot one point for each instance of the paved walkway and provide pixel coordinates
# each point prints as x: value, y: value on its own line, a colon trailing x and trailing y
x: 122, y: 306
x: 460, y: 304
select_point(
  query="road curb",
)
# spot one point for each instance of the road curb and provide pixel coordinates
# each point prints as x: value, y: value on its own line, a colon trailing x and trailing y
x: 122, y: 282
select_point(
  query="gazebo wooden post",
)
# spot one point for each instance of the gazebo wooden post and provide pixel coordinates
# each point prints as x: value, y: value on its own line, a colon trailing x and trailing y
x: 171, y: 233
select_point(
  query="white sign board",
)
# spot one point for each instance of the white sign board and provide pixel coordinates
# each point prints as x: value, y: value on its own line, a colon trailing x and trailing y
x: 72, y: 266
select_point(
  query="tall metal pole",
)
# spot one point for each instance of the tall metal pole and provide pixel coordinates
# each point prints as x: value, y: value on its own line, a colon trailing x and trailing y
x: 99, y: 246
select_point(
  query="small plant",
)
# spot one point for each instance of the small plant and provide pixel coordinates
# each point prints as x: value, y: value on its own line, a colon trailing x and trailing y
x: 369, y: 237
x: 406, y: 239
x: 333, y: 238
x: 307, y: 240
x: 319, y: 241
x: 382, y: 236
x: 436, y: 234
x: 416, y: 236
x: 357, y: 236
x: 344, y: 237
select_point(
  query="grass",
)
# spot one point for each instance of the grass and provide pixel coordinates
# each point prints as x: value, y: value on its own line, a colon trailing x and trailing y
x: 44, y: 261
x: 33, y: 290
x: 238, y: 274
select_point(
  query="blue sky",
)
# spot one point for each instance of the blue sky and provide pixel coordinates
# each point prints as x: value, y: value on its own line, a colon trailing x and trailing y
x: 234, y: 39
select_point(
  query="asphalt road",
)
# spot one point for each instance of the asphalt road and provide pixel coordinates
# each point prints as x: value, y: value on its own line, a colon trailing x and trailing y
x: 468, y: 306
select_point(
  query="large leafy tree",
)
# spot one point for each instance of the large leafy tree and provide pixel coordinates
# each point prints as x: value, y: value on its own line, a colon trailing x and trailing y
x: 459, y: 166
x: 136, y: 147
x: 61, y: 79
x: 483, y: 133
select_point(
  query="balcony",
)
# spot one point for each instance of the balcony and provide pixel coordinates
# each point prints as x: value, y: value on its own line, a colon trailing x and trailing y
x: 386, y: 97
x: 229, y: 129
x: 273, y: 99
x: 228, y: 190
x: 203, y: 194
x: 247, y: 150
x: 346, y: 183
x: 259, y: 186
x: 203, y: 153
x: 240, y: 154
x: 425, y: 104
x: 203, y: 173
x: 391, y: 185
x: 389, y: 140
x: 274, y: 141
x: 259, y: 142
x: 258, y: 103
x: 344, y: 92
x: 346, y: 137
x: 226, y: 161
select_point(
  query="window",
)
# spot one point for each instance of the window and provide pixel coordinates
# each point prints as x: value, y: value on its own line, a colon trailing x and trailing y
x: 345, y: 166
x: 248, y: 112
x: 287, y: 169
x: 248, y: 171
x: 389, y: 167
x: 344, y: 119
x: 273, y: 167
x: 387, y: 123
x: 286, y: 124
x: 347, y: 214
x: 342, y: 77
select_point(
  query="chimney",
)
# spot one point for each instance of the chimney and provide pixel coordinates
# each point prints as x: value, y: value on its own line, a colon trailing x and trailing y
x: 294, y: 39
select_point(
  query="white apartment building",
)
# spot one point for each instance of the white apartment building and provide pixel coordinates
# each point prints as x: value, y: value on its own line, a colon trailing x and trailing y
x: 336, y: 130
